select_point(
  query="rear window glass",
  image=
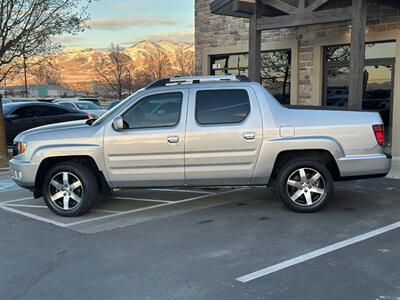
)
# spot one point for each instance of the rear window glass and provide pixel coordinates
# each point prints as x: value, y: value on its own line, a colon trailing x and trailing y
x: 222, y: 106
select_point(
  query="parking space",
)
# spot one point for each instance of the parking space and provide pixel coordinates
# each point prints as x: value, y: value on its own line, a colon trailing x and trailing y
x: 213, y: 244
x: 118, y: 204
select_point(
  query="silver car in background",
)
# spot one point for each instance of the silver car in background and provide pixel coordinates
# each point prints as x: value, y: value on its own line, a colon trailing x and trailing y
x: 86, y: 106
x: 200, y: 131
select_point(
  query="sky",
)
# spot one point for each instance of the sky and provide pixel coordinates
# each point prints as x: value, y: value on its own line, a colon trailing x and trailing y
x: 126, y: 22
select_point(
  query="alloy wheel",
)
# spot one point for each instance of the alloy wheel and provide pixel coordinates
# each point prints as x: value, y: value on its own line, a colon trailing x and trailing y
x: 305, y: 187
x: 65, y: 191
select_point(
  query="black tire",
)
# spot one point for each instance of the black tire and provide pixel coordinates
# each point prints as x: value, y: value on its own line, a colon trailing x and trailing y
x: 87, y: 191
x: 315, y: 200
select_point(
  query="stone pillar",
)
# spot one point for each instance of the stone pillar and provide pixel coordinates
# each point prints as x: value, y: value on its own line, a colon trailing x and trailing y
x: 358, y: 24
x: 255, y: 45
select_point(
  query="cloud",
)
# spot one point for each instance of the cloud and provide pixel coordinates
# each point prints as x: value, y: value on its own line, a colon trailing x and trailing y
x: 175, y: 37
x: 115, y: 23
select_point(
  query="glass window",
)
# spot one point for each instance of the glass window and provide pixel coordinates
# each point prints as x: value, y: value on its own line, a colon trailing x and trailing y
x: 162, y: 110
x: 67, y: 105
x: 26, y: 112
x: 338, y: 69
x: 380, y: 50
x: 276, y: 74
x: 46, y: 111
x: 87, y: 106
x: 222, y: 106
x: 275, y: 70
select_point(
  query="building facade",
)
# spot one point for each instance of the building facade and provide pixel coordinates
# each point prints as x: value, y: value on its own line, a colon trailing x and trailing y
x: 309, y: 65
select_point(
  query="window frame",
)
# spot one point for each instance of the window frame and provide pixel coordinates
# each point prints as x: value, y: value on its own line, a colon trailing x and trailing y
x: 222, y: 123
x: 327, y: 65
x: 290, y: 86
x: 151, y: 95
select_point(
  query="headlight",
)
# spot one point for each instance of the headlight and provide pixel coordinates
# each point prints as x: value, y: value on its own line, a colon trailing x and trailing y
x: 19, y: 148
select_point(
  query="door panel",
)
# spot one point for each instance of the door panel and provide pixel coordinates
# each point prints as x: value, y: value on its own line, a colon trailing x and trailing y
x: 222, y: 154
x: 27, y: 118
x: 145, y: 157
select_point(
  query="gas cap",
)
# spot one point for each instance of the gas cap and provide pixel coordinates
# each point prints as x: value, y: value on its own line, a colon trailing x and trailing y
x: 286, y: 131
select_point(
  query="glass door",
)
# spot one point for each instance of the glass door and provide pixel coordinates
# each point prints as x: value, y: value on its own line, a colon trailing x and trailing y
x: 378, y: 92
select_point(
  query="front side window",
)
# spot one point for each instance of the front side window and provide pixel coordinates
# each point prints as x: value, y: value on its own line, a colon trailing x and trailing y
x: 222, y: 106
x: 26, y: 112
x: 161, y: 110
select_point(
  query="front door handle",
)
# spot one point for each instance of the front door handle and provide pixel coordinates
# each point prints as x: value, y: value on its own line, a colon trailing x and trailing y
x: 173, y: 139
x: 249, y: 136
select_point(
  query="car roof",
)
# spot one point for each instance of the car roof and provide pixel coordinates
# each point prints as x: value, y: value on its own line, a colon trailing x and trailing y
x: 205, y: 85
x: 78, y: 99
x: 10, y: 106
x: 71, y: 101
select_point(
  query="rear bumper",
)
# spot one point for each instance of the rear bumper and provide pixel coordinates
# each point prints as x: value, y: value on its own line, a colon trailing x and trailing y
x: 23, y: 173
x: 372, y: 165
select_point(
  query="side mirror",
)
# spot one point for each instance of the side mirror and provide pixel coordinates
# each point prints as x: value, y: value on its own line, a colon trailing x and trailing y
x: 118, y: 123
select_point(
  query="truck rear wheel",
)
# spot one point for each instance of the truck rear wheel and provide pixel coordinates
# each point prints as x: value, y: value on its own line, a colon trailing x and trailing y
x: 69, y: 189
x: 304, y: 185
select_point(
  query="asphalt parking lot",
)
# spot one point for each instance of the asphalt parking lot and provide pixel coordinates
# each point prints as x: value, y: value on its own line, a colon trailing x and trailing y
x: 203, y: 244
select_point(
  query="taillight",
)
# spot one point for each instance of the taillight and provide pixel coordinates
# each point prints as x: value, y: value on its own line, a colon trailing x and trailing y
x: 87, y: 116
x: 379, y: 131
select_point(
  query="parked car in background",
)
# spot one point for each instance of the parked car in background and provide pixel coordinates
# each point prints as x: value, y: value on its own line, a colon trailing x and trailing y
x: 201, y: 131
x: 79, y: 99
x: 23, y: 116
x: 86, y: 106
x: 112, y: 104
x: 18, y: 100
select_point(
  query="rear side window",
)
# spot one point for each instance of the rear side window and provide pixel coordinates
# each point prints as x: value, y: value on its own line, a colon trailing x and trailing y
x: 46, y: 111
x: 222, y: 106
x: 67, y: 105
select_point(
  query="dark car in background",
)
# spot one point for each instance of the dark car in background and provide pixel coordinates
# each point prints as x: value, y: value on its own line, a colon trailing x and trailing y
x: 19, y: 117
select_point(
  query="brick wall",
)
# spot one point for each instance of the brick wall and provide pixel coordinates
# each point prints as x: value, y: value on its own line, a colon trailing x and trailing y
x: 219, y: 31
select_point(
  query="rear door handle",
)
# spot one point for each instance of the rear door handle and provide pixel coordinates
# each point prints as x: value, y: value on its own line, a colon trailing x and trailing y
x: 173, y: 139
x: 249, y: 136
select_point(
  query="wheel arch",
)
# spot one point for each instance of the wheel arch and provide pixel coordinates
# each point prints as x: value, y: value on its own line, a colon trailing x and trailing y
x: 321, y: 155
x: 86, y: 160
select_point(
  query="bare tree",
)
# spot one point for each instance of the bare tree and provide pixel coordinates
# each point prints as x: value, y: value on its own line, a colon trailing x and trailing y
x: 27, y: 28
x: 157, y: 64
x: 184, y: 62
x: 45, y: 72
x: 115, y: 70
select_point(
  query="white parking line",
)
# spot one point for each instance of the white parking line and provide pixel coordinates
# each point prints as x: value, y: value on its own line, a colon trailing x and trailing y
x: 8, y: 205
x: 181, y: 191
x: 106, y: 210
x: 29, y: 215
x: 311, y: 255
x: 142, y: 199
x: 151, y: 207
x: 16, y: 200
x: 25, y: 205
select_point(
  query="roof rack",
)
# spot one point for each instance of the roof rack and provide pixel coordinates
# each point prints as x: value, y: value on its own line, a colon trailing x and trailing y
x: 196, y: 80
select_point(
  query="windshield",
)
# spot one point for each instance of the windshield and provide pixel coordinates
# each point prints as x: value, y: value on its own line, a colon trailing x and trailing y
x: 104, y: 117
x: 87, y: 106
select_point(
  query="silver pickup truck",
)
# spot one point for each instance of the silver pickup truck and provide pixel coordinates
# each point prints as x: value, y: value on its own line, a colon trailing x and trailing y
x: 200, y: 131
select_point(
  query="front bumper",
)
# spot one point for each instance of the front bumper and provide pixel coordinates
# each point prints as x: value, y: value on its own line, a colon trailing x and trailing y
x: 23, y: 173
x: 364, y: 165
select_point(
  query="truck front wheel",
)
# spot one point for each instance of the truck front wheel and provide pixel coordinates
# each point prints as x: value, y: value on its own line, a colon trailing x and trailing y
x: 304, y: 185
x: 69, y: 189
